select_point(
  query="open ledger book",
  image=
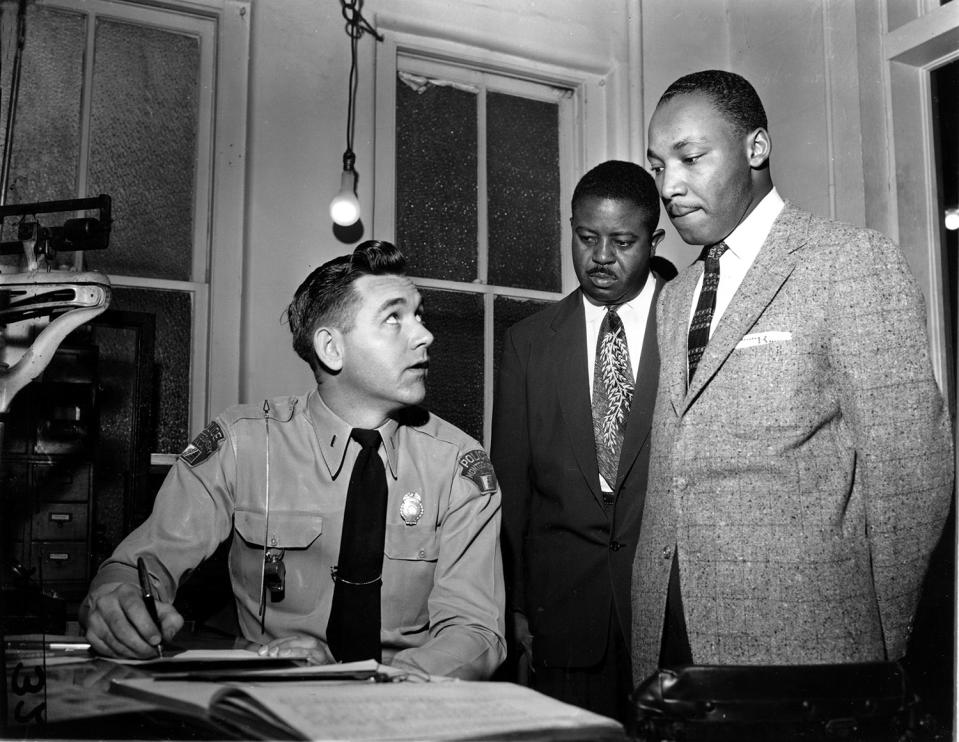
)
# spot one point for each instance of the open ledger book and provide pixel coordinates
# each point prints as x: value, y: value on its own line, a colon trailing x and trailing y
x: 364, y: 710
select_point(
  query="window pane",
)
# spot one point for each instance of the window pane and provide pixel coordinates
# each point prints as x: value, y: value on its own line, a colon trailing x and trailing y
x: 436, y: 165
x: 126, y: 348
x: 523, y: 181
x: 143, y: 148
x: 171, y: 377
x: 506, y: 313
x: 46, y: 136
x: 455, y: 382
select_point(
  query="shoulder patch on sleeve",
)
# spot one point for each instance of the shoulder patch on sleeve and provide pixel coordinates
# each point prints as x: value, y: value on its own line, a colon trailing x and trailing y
x: 476, y: 466
x: 204, y: 445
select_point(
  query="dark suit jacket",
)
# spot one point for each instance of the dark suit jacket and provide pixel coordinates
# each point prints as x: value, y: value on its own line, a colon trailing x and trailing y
x: 567, y: 559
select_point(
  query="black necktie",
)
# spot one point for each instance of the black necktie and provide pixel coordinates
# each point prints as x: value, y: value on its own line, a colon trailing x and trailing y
x: 703, y: 317
x: 353, y: 631
x: 612, y: 394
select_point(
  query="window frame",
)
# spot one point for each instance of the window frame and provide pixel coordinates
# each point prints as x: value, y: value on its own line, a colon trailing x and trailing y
x: 583, y: 139
x: 223, y: 28
x: 912, y: 51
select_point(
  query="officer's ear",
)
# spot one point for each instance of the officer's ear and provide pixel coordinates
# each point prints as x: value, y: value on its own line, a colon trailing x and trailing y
x: 328, y: 346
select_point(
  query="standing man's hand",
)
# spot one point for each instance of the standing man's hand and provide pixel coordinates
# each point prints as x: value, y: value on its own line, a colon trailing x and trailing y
x: 117, y: 623
x: 524, y: 638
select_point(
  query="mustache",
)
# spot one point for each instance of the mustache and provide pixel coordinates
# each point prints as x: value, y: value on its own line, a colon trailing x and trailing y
x: 600, y: 272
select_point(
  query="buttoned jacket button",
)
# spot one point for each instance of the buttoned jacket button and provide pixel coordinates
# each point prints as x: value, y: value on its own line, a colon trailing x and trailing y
x: 615, y: 545
x: 422, y: 554
x: 667, y: 552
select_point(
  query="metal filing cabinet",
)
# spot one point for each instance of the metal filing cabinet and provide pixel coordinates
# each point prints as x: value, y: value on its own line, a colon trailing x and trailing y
x: 48, y: 473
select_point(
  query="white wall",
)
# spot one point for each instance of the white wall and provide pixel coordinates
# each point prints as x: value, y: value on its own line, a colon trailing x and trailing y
x: 804, y: 57
x: 297, y: 133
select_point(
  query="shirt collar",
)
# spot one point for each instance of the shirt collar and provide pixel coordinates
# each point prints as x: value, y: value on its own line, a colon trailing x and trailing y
x: 333, y: 435
x: 594, y: 312
x: 744, y: 241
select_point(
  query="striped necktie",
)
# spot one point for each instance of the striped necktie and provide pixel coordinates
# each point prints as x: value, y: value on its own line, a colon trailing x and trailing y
x: 703, y: 317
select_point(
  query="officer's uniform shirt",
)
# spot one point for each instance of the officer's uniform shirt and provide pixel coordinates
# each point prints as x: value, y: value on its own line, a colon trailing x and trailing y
x: 442, y: 594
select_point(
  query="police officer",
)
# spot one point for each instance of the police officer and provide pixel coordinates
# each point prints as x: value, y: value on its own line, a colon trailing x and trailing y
x: 276, y: 476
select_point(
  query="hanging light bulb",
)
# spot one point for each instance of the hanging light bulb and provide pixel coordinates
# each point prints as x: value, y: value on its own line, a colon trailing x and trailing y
x: 952, y: 219
x: 345, y: 206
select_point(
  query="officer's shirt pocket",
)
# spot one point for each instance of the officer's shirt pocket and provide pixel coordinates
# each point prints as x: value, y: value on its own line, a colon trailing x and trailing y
x: 409, y: 566
x: 295, y: 534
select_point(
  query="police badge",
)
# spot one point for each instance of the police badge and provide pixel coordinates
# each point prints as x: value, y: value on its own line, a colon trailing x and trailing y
x: 411, y: 509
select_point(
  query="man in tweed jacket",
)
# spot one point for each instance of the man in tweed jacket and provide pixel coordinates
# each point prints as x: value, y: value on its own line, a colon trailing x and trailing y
x: 800, y: 481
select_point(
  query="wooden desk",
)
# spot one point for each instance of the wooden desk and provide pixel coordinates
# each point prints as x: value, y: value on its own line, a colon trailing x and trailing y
x: 72, y: 701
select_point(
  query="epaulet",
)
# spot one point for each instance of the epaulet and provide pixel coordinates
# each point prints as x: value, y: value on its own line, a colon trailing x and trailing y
x: 280, y: 409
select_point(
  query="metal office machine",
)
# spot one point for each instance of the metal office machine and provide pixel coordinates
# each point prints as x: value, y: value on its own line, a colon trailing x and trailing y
x: 40, y: 305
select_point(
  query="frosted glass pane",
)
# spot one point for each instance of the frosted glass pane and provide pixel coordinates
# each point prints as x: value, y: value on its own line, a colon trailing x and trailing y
x: 455, y: 382
x: 436, y: 166
x: 46, y: 136
x: 113, y: 475
x: 523, y: 181
x: 506, y: 313
x: 143, y: 147
x: 171, y: 377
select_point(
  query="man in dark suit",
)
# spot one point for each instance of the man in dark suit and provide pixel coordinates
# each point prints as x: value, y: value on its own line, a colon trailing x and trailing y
x: 570, y: 446
x: 801, y: 467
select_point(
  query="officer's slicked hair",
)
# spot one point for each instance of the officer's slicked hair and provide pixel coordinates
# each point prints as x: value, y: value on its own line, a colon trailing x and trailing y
x: 327, y: 297
x: 621, y: 181
x: 732, y: 95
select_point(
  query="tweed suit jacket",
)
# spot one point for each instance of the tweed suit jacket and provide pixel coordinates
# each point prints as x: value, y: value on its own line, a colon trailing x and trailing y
x: 804, y: 476
x: 568, y: 560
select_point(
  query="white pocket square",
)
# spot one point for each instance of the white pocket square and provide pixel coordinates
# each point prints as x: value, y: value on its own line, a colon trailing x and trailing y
x: 761, y: 338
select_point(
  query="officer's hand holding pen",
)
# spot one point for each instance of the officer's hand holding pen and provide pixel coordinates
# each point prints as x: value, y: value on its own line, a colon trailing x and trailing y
x: 117, y: 624
x: 149, y: 599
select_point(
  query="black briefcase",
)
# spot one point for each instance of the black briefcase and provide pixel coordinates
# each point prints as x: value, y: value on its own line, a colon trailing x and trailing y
x: 868, y: 702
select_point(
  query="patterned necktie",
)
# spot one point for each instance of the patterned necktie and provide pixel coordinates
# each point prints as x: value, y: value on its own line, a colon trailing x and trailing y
x: 703, y: 317
x: 353, y: 631
x: 612, y: 394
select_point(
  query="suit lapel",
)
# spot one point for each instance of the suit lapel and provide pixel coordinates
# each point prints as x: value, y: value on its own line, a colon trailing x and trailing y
x: 571, y: 382
x: 675, y: 330
x: 644, y: 397
x: 762, y: 282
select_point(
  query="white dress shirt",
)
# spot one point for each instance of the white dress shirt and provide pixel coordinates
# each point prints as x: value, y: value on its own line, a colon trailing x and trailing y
x: 744, y: 243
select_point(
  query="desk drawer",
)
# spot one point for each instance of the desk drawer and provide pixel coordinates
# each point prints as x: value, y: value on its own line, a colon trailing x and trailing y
x: 62, y: 482
x: 59, y: 560
x: 66, y: 521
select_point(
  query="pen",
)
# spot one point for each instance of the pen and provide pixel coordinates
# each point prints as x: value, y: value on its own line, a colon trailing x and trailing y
x: 146, y: 587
